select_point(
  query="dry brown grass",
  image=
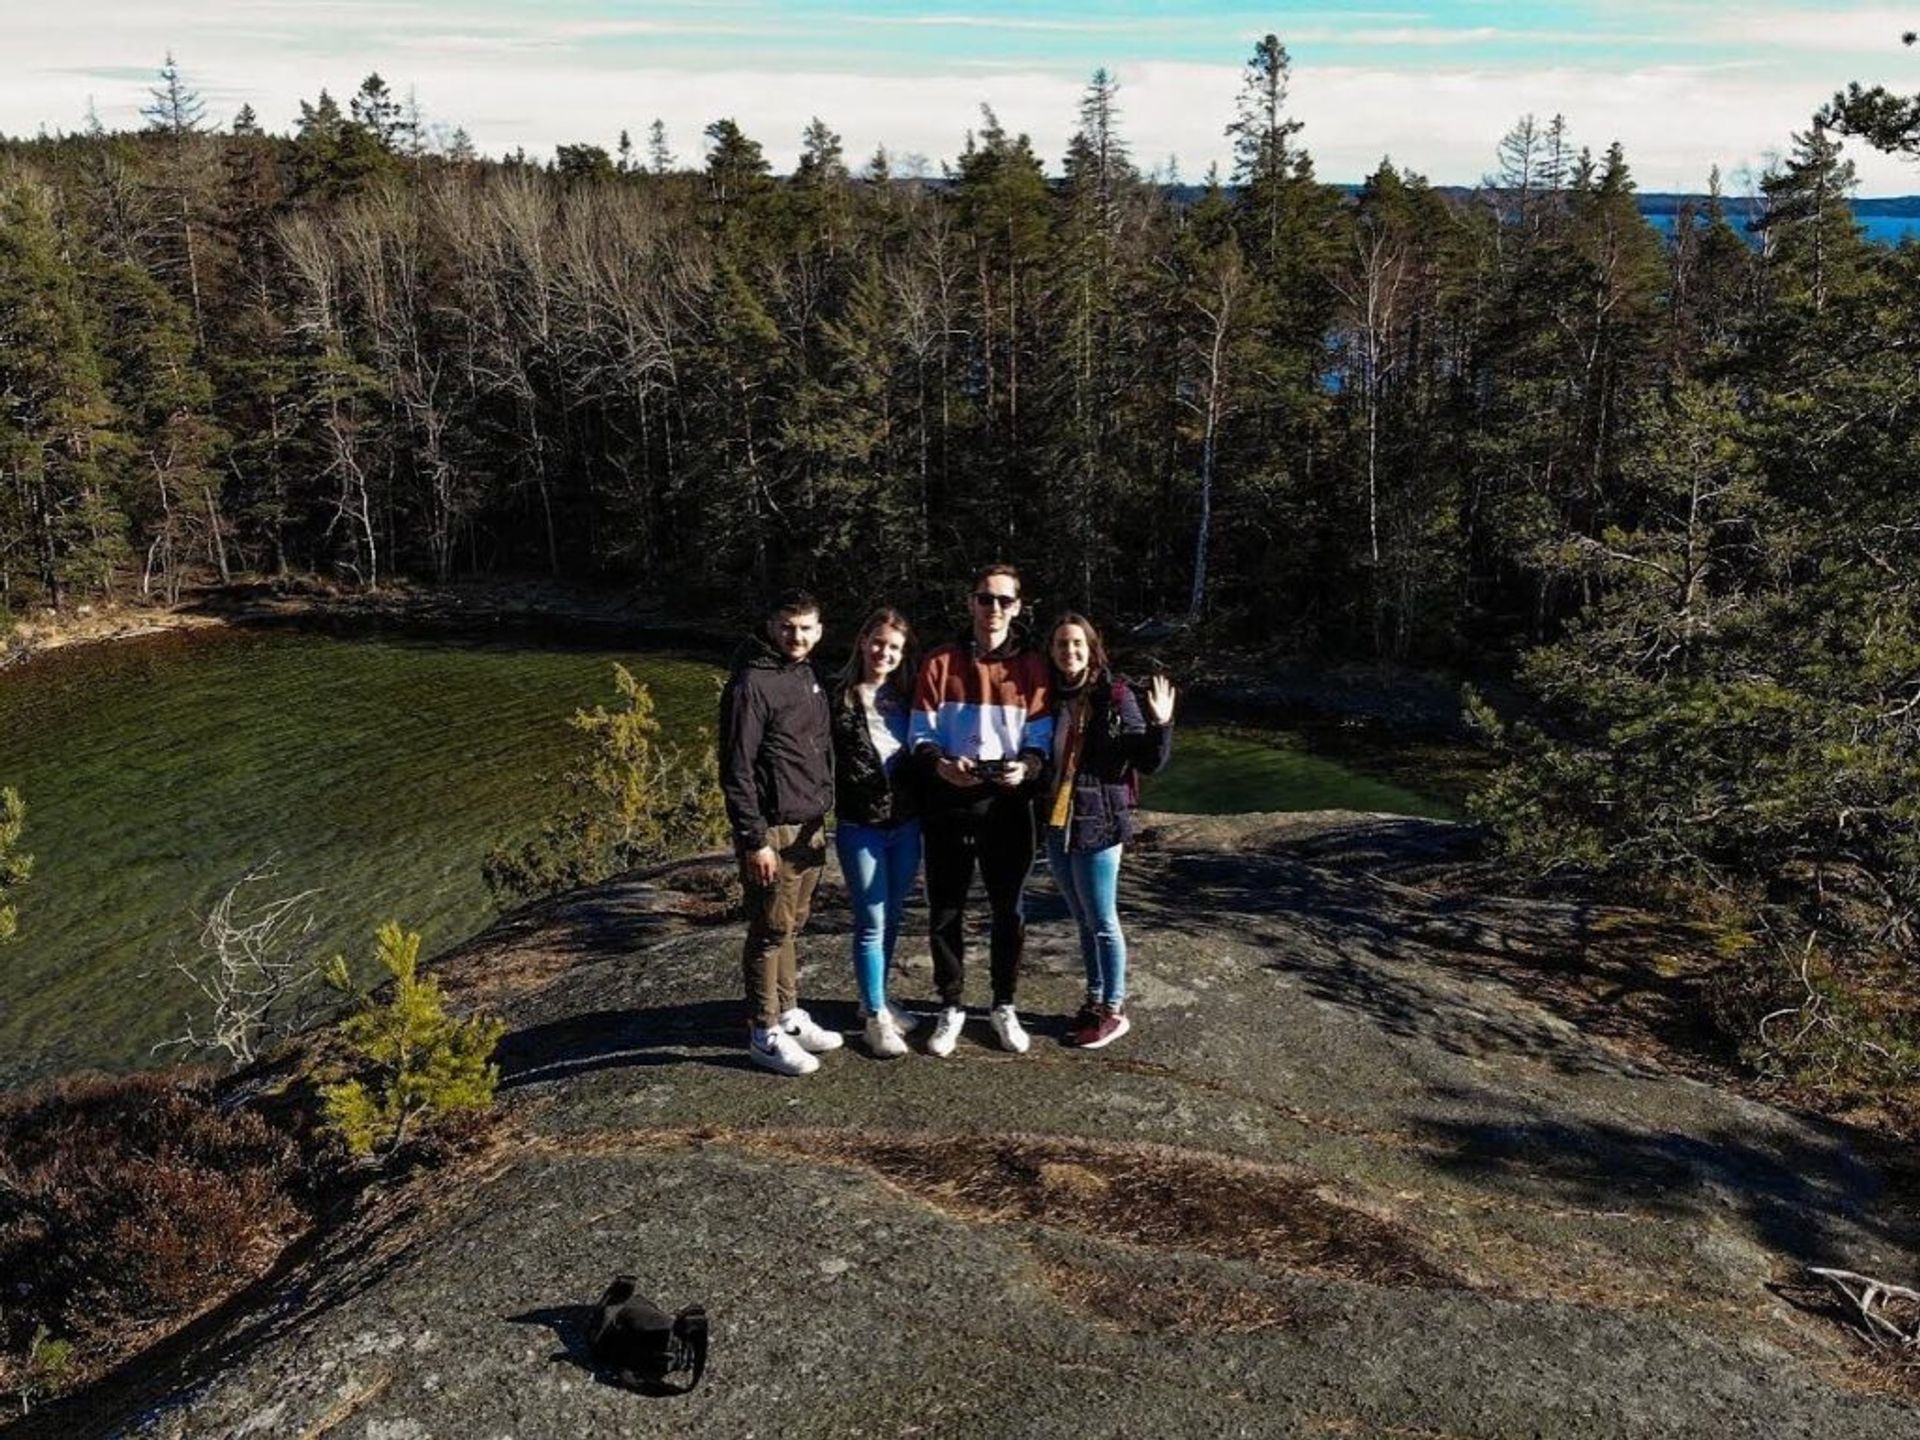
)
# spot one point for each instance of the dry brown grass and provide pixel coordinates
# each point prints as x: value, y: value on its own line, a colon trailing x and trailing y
x: 1137, y: 1195
x: 1158, y: 1303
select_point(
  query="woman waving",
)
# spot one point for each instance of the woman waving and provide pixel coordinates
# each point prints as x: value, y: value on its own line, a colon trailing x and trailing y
x: 1102, y: 743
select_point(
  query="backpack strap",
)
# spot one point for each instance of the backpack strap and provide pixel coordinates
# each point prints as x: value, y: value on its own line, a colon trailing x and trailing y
x: 690, y: 1335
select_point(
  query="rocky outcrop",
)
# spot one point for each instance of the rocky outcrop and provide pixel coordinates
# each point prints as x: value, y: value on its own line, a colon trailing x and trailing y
x: 1384, y: 1155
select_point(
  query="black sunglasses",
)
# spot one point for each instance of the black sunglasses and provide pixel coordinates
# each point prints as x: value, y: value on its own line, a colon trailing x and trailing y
x: 999, y: 602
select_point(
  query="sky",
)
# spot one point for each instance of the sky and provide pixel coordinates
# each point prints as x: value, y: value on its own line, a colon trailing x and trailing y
x: 1684, y: 85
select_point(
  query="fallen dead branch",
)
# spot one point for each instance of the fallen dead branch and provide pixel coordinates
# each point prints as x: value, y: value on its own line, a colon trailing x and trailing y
x: 1889, y: 1313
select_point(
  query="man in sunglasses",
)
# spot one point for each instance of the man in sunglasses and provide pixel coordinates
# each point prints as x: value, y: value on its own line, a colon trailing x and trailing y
x: 981, y: 721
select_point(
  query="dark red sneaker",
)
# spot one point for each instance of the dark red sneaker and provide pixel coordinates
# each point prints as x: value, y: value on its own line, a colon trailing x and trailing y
x: 1085, y: 1023
x: 1108, y: 1026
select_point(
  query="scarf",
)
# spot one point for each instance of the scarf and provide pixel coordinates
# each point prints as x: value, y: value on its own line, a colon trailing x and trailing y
x: 1074, y: 717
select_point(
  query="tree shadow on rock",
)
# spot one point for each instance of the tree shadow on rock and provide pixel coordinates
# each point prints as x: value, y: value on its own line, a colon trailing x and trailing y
x: 1355, y: 941
x: 1804, y: 1194
x: 1402, y: 1006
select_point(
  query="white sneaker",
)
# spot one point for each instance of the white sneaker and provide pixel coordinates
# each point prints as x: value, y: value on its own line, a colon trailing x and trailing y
x: 779, y: 1052
x: 883, y: 1036
x: 1008, y: 1030
x: 905, y: 1021
x: 946, y: 1031
x: 812, y: 1038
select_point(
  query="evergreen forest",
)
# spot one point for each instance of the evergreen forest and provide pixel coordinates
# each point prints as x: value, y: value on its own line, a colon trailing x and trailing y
x: 1670, y: 482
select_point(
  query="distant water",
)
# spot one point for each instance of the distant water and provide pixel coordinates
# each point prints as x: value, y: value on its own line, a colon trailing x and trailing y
x: 378, y: 770
x: 1880, y: 229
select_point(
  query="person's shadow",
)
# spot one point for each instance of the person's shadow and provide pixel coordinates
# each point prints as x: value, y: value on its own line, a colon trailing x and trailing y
x: 569, y: 1325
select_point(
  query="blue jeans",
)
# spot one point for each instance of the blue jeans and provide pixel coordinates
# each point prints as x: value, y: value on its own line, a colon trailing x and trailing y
x: 1089, y: 881
x: 879, y: 866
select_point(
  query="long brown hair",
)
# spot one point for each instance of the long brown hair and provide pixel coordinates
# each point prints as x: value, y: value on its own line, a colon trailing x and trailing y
x: 855, y: 671
x: 1096, y: 648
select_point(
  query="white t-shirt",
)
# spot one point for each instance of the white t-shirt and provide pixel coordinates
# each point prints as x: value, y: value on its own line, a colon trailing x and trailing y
x: 886, y: 716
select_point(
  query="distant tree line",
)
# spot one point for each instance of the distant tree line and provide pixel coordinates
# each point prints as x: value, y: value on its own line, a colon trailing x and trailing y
x: 1397, y: 424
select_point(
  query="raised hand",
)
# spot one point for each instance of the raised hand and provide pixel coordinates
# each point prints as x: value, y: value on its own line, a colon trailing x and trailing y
x: 1160, y: 695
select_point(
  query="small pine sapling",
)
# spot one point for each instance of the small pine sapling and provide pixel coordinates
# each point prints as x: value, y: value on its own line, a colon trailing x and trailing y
x: 14, y: 866
x: 633, y: 800
x: 420, y: 1063
x: 46, y: 1369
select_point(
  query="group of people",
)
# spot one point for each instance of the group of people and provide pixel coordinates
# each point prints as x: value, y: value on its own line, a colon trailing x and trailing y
x: 974, y: 758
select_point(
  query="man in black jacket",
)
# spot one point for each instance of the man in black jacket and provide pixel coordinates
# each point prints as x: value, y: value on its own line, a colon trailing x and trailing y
x: 776, y: 772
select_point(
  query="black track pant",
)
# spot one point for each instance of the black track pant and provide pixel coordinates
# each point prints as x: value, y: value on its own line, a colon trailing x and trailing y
x: 998, y: 835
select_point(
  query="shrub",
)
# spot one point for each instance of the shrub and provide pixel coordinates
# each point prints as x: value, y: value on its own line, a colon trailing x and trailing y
x: 418, y: 1061
x: 14, y: 866
x: 46, y: 1368
x: 126, y: 1202
x: 633, y: 800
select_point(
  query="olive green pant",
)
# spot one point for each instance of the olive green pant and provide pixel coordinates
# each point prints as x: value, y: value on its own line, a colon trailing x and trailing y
x: 775, y: 914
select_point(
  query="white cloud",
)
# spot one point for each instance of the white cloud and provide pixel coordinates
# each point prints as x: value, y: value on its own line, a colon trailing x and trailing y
x: 1441, y: 37
x: 1822, y: 30
x: 1674, y: 121
x: 1005, y: 22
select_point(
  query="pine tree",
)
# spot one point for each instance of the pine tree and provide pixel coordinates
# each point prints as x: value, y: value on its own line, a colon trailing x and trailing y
x: 737, y: 168
x: 374, y: 109
x: 418, y: 1063
x: 659, y: 156
x: 838, y: 430
x: 1883, y: 119
x: 588, y: 163
x: 1091, y: 336
x: 1103, y: 167
x: 1264, y: 161
x: 176, y: 113
x: 1002, y: 205
x: 16, y: 867
x: 164, y: 400
x: 1713, y: 271
x: 822, y: 160
x: 820, y: 200
x: 56, y: 427
x: 250, y: 360
x: 1813, y: 246
x: 746, y: 370
x: 632, y: 800
x: 334, y: 156
x: 175, y: 108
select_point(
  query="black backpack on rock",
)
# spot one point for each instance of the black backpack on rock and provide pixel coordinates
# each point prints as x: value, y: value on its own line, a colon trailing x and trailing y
x: 636, y: 1340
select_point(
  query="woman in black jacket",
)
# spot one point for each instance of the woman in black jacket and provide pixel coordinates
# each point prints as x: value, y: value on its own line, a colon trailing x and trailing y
x: 877, y: 804
x: 1102, y: 744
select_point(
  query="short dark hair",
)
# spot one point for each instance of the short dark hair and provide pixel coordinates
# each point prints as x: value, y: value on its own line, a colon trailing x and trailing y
x: 987, y: 572
x: 792, y: 602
